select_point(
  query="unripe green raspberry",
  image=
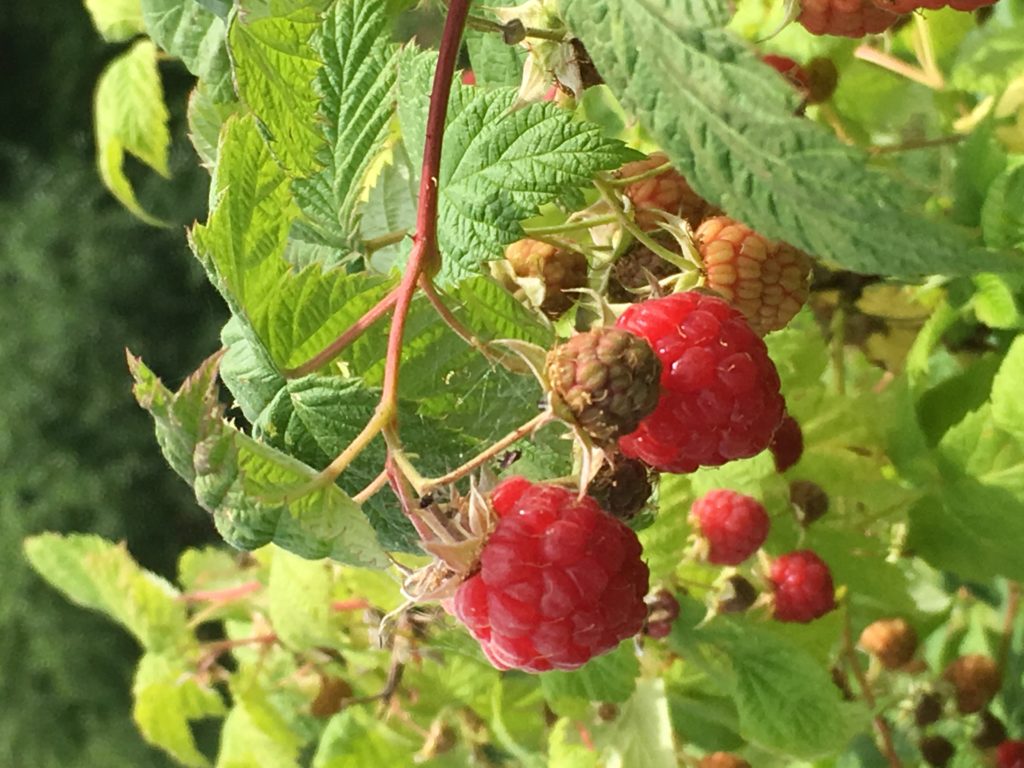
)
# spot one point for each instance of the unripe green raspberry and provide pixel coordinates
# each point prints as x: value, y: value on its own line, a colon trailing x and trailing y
x: 607, y: 380
x: 556, y: 268
x: 765, y: 280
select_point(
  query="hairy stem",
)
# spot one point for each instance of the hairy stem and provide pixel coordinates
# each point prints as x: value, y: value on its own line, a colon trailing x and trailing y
x: 354, y: 331
x: 456, y: 325
x: 925, y: 51
x: 571, y: 226
x: 226, y: 595
x: 884, y: 732
x: 941, y: 141
x: 1009, y: 621
x: 376, y: 243
x: 625, y: 181
x: 493, y: 450
x: 486, y: 25
x: 371, y: 490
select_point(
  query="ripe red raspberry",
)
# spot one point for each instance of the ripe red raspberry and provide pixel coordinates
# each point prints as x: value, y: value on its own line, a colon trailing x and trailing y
x: 789, y: 69
x: 719, y: 389
x: 909, y: 6
x: 803, y: 587
x: 607, y: 380
x: 765, y: 280
x: 976, y: 680
x: 846, y: 18
x: 787, y: 445
x: 1010, y: 754
x: 560, y: 581
x: 970, y: 5
x: 892, y: 641
x: 668, y: 191
x: 734, y: 526
x: 556, y: 268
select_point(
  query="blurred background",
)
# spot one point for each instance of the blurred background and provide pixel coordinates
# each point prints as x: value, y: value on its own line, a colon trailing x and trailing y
x: 80, y: 280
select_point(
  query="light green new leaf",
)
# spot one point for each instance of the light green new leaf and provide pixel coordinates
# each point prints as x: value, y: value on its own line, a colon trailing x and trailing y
x: 206, y: 115
x: 300, y: 600
x: 785, y: 699
x: 611, y: 678
x: 102, y: 576
x: 245, y: 484
x: 243, y: 743
x: 293, y: 315
x: 275, y: 65
x: 116, y: 20
x: 989, y: 59
x: 390, y: 207
x: 356, y: 739
x: 131, y: 117
x: 565, y: 753
x: 498, y: 165
x: 728, y: 123
x: 1002, y: 216
x: 356, y: 86
x: 642, y: 733
x: 1007, y: 403
x: 167, y: 696
x: 994, y: 302
x: 187, y: 30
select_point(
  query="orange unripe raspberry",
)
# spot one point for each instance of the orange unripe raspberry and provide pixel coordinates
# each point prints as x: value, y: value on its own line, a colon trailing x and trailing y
x: 556, y: 268
x: 767, y: 281
x: 976, y: 680
x: 892, y: 641
x: 668, y: 191
x: 845, y: 18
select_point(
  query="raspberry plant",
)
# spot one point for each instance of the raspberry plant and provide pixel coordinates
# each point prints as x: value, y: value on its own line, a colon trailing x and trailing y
x: 491, y: 340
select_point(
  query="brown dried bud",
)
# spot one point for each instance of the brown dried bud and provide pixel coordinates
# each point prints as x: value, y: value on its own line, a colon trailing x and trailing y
x: 976, y: 680
x: 892, y: 641
x: 723, y: 760
x: 937, y: 750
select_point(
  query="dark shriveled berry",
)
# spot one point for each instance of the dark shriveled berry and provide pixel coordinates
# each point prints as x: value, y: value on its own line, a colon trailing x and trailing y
x: 736, y: 596
x: 787, y: 446
x: 928, y: 709
x: 991, y: 731
x: 937, y: 750
x: 622, y: 487
x: 809, y: 499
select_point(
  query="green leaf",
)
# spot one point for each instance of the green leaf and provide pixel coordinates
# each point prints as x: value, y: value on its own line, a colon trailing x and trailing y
x: 116, y: 20
x: 727, y: 122
x: 102, y: 576
x: 785, y: 699
x: 1002, y: 217
x: 994, y: 302
x: 565, y: 753
x: 610, y: 678
x: 187, y: 30
x: 357, y: 90
x: 299, y: 592
x: 356, y: 739
x: 294, y: 315
x: 206, y: 116
x: 498, y: 165
x: 131, y: 117
x: 390, y: 207
x: 274, y: 66
x: 989, y: 60
x: 167, y: 696
x: 494, y: 63
x: 642, y: 733
x: 1007, y: 405
x: 243, y: 743
x: 245, y: 484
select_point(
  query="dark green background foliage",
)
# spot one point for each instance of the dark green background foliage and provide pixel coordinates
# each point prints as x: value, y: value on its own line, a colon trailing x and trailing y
x: 79, y: 281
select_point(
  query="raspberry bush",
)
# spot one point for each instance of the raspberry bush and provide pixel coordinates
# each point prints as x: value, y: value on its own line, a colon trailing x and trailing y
x: 622, y: 403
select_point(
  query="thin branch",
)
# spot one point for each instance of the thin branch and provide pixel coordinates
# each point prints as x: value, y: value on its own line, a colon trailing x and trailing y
x: 896, y: 66
x: 925, y: 51
x: 456, y: 325
x: 884, y: 732
x: 354, y: 331
x: 486, y: 25
x: 376, y: 243
x: 371, y: 490
x: 625, y: 181
x: 571, y: 226
x: 493, y: 450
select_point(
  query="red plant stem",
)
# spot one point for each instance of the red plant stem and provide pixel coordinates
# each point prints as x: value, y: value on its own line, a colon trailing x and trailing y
x: 424, y: 258
x: 1009, y: 622
x: 226, y: 595
x: 354, y: 331
x: 218, y: 647
x: 352, y: 604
